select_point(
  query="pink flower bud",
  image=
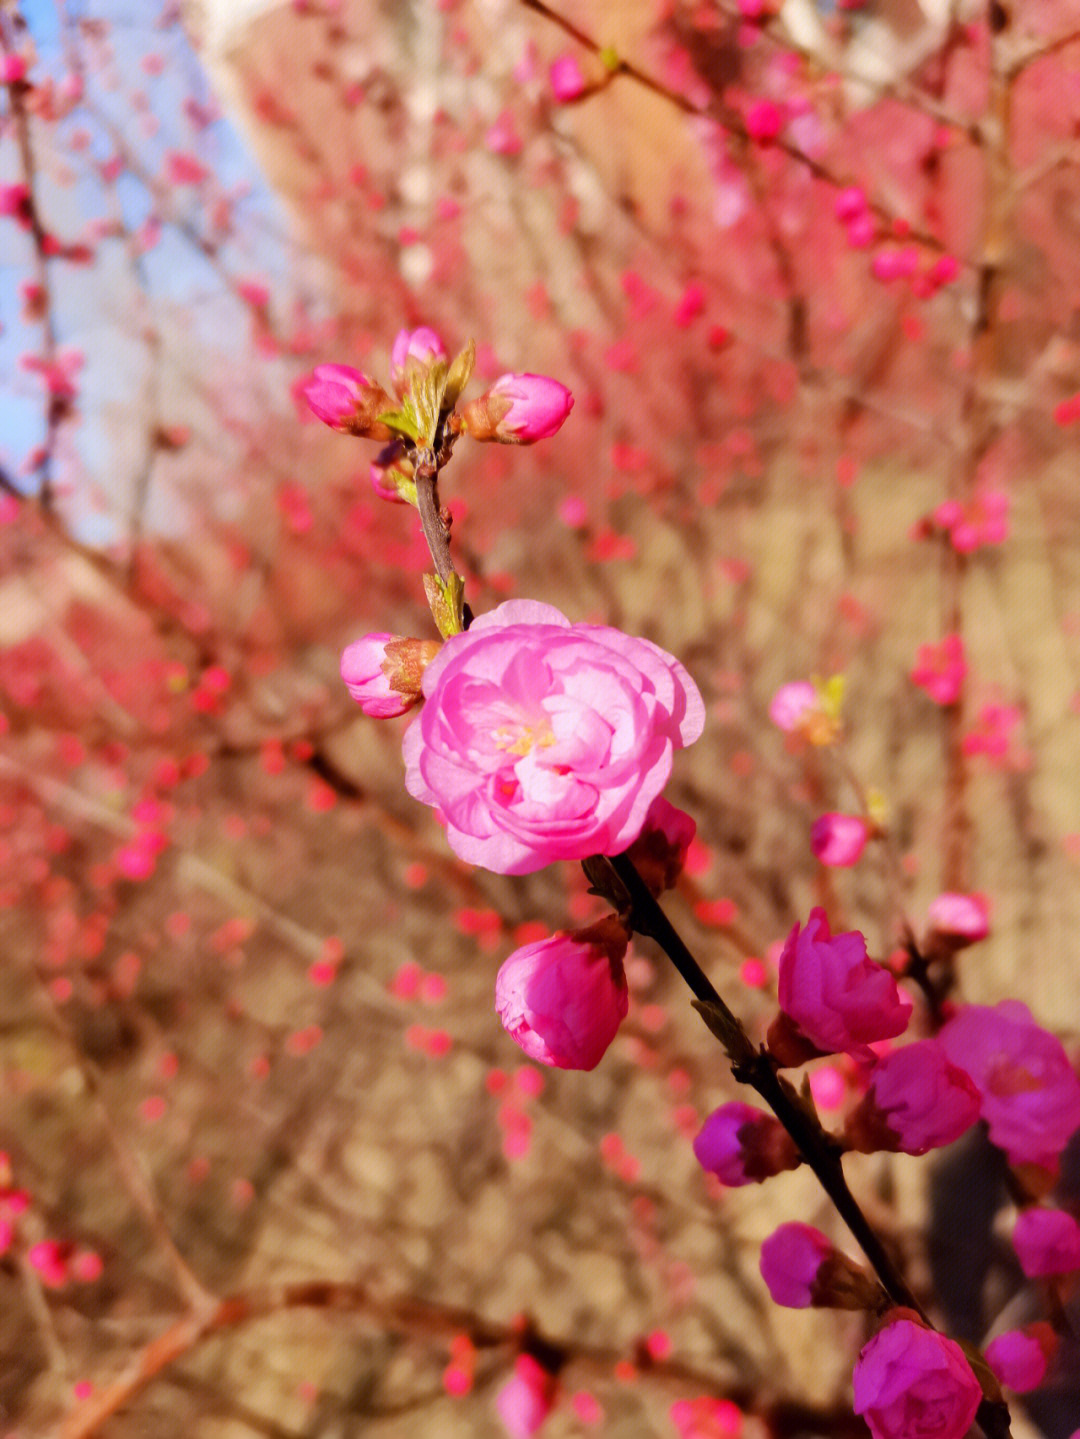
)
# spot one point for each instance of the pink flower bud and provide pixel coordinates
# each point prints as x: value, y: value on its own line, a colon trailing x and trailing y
x: 916, y: 1101
x: 833, y: 998
x: 567, y: 80
x: 850, y: 204
x: 392, y: 474
x: 383, y: 672
x: 13, y: 67
x: 1029, y: 1092
x: 803, y: 1269
x: 562, y: 999
x: 839, y: 839
x: 526, y: 1400
x: 793, y: 704
x: 419, y: 346
x: 1047, y: 1241
x: 346, y: 400
x: 659, y: 852
x: 1020, y: 1357
x: 910, y: 1381
x: 954, y: 921
x: 764, y: 121
x: 744, y: 1145
x: 518, y: 410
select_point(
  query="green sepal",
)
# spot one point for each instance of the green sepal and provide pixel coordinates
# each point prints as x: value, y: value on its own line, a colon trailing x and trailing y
x: 458, y: 376
x: 404, y: 421
x: 446, y: 600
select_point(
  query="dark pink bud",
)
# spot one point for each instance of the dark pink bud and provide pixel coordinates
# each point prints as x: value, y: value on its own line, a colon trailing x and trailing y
x: 346, y: 400
x: 518, y: 410
x: 764, y: 121
x: 913, y: 1383
x: 659, y: 852
x: 1021, y: 1357
x: 744, y: 1145
x: 383, y: 672
x: 1047, y: 1241
x: 562, y: 999
x: 839, y: 839
x: 804, y: 1270
x: 954, y: 921
x: 833, y: 997
x: 916, y: 1101
x: 526, y: 1400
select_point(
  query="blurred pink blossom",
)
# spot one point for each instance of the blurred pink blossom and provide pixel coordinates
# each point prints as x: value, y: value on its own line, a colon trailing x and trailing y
x: 940, y: 669
x: 839, y: 839
x: 567, y: 79
x: 1047, y: 1241
x: 527, y: 1398
x: 1020, y: 1357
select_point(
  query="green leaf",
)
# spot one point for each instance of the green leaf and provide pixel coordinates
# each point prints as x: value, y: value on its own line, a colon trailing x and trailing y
x: 446, y: 600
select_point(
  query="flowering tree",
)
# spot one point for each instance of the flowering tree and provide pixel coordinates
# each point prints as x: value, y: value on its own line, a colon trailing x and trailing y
x: 805, y: 448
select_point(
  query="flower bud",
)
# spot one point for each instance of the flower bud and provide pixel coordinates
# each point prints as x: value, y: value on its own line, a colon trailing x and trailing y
x: 804, y: 1270
x: 1047, y: 1241
x: 562, y: 999
x: 954, y: 921
x: 346, y: 400
x: 526, y: 1400
x: 392, y: 474
x: 839, y: 839
x: 659, y: 852
x: 917, y: 1101
x: 744, y: 1145
x: 567, y: 81
x: 910, y: 1380
x: 518, y: 409
x: 413, y: 350
x: 1021, y: 1357
x: 383, y: 672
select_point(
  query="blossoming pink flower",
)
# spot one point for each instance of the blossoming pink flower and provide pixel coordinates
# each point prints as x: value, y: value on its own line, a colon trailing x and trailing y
x: 562, y: 999
x: 916, y: 1101
x: 526, y: 1400
x: 832, y: 996
x: 1030, y: 1094
x: 1047, y: 1241
x: 744, y: 1145
x: 802, y: 1268
x: 567, y: 80
x: 346, y: 400
x: 382, y: 672
x: 542, y: 740
x: 518, y: 410
x: 1020, y: 1357
x: 839, y: 839
x: 421, y: 346
x: 913, y: 1383
x: 940, y: 669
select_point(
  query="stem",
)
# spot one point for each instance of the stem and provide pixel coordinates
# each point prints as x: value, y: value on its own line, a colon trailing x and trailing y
x: 436, y: 531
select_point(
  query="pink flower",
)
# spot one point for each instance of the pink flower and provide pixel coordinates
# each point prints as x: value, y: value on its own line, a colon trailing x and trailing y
x: 764, y: 121
x: 792, y: 704
x: 913, y: 1383
x: 790, y: 1260
x: 346, y: 400
x: 1020, y: 1357
x: 832, y: 996
x: 503, y: 138
x: 391, y: 474
x: 984, y: 521
x: 567, y: 80
x: 542, y: 740
x: 1030, y: 1094
x: 916, y: 1101
x: 526, y: 1400
x: 744, y: 1145
x: 839, y: 839
x: 518, y: 410
x: 562, y: 999
x: 382, y: 672
x: 953, y: 921
x: 940, y: 669
x: 1047, y: 1241
x: 419, y: 346
x: 660, y: 850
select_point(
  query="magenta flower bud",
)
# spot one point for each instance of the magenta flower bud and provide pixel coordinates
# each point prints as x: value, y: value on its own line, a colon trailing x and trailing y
x: 803, y: 1269
x: 744, y: 1145
x: 1029, y: 1091
x: 420, y: 347
x: 567, y: 80
x: 383, y: 672
x: 913, y: 1383
x: 562, y: 999
x: 526, y: 1400
x: 659, y: 852
x: 839, y: 839
x: 954, y: 921
x: 1021, y: 1357
x: 1047, y: 1241
x: 392, y: 474
x: 916, y: 1101
x: 833, y: 998
x: 518, y: 410
x: 346, y: 400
